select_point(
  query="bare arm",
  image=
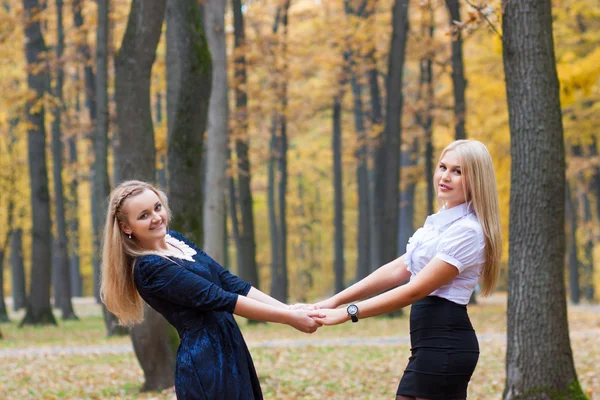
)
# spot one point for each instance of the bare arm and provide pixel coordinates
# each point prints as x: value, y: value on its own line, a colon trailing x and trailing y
x: 257, y: 295
x: 389, y: 275
x: 435, y: 274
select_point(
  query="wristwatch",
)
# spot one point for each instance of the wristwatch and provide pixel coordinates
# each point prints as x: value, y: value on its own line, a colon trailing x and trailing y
x: 352, y: 311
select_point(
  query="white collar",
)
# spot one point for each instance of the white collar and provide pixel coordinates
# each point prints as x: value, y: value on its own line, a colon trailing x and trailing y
x: 188, y: 252
x: 446, y: 216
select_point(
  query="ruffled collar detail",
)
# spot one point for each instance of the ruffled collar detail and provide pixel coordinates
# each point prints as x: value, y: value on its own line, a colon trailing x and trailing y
x: 188, y: 252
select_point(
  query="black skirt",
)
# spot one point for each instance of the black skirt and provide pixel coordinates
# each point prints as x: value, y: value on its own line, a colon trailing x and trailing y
x: 444, y: 351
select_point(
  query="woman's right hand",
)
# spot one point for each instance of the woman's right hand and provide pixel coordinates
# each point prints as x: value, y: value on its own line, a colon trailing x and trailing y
x: 303, y: 320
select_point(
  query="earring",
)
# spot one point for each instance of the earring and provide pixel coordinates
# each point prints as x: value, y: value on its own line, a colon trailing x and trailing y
x: 130, y: 236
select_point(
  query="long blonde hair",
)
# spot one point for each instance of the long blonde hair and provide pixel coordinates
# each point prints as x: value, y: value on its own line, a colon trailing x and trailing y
x: 480, y: 189
x: 117, y: 288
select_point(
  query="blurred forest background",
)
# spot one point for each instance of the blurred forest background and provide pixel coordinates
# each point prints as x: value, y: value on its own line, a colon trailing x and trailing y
x: 274, y: 126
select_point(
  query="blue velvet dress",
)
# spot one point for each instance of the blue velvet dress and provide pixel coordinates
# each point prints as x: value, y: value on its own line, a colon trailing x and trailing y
x: 198, y: 299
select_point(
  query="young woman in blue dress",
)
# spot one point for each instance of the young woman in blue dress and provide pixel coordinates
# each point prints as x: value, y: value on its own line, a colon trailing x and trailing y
x: 444, y: 260
x: 143, y: 261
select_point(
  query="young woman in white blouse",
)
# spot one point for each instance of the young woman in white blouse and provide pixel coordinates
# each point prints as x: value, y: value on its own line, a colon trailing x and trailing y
x: 457, y: 247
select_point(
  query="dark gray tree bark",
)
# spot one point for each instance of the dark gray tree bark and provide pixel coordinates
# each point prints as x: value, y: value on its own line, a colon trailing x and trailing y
x: 368, y: 255
x: 278, y: 184
x: 39, y: 311
x: 406, y: 224
x: 62, y: 294
x: 387, y: 161
x: 338, y: 195
x: 189, y: 77
x: 245, y: 239
x: 595, y: 180
x: 136, y: 160
x: 73, y: 222
x: 3, y: 311
x: 539, y: 360
x: 17, y: 270
x: 83, y: 50
x: 573, y: 260
x: 458, y: 75
x: 217, y: 132
x: 100, y: 180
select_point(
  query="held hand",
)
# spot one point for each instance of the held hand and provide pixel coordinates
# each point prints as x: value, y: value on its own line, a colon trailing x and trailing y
x: 332, y: 317
x: 305, y: 321
x: 301, y: 306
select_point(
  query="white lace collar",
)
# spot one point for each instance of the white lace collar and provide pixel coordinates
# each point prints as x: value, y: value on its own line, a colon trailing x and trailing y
x: 188, y: 252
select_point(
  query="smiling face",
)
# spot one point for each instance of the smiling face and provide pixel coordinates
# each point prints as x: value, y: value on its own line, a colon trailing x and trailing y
x: 449, y: 181
x: 146, y: 218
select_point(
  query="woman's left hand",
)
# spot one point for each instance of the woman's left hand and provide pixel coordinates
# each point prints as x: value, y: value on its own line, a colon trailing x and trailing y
x: 332, y: 316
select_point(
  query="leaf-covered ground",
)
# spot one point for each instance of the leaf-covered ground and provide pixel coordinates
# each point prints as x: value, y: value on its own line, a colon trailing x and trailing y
x: 291, y: 365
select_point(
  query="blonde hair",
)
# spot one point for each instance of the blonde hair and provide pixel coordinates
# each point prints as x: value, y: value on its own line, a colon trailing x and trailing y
x: 117, y: 288
x: 480, y: 189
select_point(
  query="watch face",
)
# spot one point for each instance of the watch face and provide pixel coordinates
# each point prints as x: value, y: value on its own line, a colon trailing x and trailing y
x: 352, y: 310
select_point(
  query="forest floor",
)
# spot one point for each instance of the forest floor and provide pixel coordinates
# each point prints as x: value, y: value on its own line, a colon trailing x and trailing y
x: 75, y: 360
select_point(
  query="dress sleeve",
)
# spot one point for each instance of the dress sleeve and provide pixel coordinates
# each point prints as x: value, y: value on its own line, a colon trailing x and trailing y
x: 165, y: 279
x: 230, y: 282
x: 461, y: 246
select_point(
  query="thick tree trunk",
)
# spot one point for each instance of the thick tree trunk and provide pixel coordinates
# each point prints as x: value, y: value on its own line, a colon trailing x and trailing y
x: 573, y: 260
x: 387, y: 162
x: 217, y: 132
x: 188, y: 90
x: 39, y: 311
x: 245, y: 239
x: 271, y: 203
x: 458, y: 75
x: 17, y: 270
x: 136, y: 160
x: 62, y: 295
x: 539, y: 360
x: 83, y: 49
x: 338, y: 195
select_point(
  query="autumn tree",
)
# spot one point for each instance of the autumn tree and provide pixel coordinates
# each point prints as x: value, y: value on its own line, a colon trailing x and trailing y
x: 188, y: 91
x: 241, y: 194
x: 217, y: 132
x: 539, y: 360
x: 39, y: 311
x: 136, y: 160
x: 62, y: 293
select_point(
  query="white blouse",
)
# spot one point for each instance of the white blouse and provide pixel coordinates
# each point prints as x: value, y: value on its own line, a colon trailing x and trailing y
x: 454, y: 236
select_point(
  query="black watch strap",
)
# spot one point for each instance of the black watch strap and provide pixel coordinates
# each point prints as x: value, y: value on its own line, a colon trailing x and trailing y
x: 352, y: 311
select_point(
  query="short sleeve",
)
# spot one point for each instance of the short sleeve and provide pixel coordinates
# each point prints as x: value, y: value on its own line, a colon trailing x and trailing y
x: 461, y: 246
x: 163, y: 278
x: 230, y: 282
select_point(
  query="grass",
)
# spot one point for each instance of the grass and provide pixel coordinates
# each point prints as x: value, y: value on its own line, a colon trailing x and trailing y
x: 286, y: 372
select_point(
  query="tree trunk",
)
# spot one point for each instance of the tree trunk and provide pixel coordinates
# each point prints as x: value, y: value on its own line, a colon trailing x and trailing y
x: 406, y: 226
x: 458, y: 75
x: 83, y: 49
x: 73, y: 221
x: 216, y: 165
x: 188, y: 90
x: 539, y: 360
x: 136, y: 160
x: 587, y: 270
x: 245, y: 241
x: 278, y: 160
x: 387, y: 162
x: 17, y: 271
x: 595, y: 180
x: 100, y: 180
x: 338, y: 193
x: 62, y: 294
x: 571, y: 217
x: 39, y: 311
x: 3, y: 311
